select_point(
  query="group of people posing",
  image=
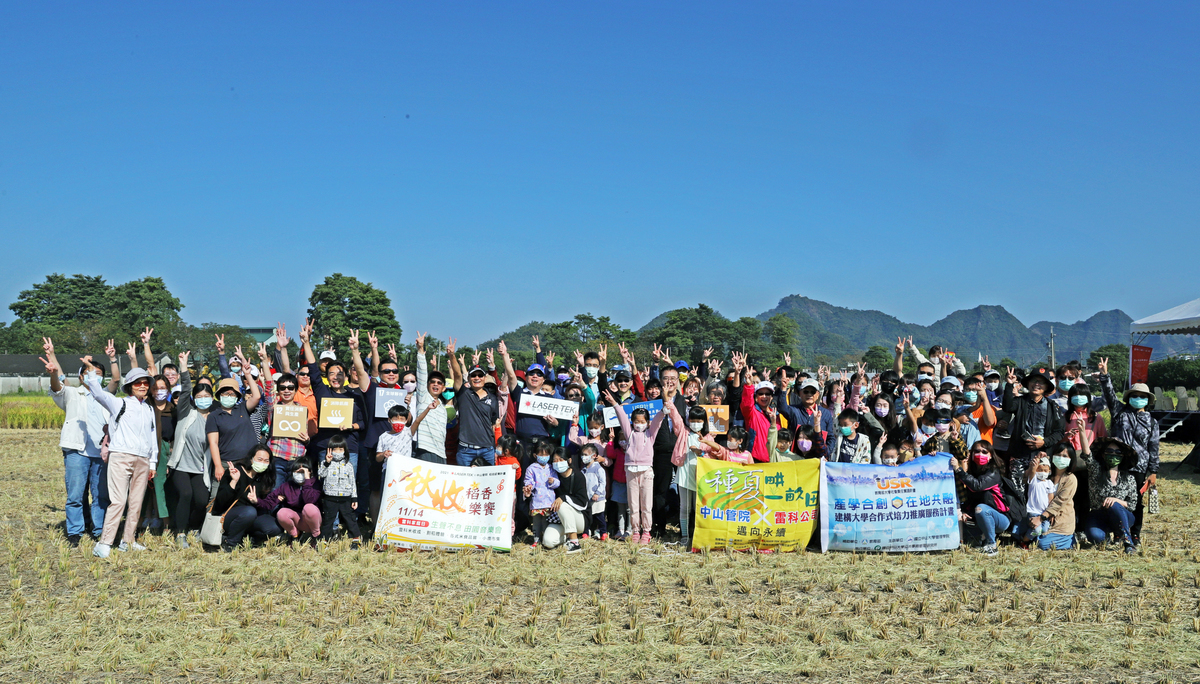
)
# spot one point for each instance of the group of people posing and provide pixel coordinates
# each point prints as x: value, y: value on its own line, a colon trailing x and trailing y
x: 167, y: 446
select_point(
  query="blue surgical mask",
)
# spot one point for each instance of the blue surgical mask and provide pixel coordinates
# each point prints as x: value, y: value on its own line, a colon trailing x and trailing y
x: 543, y: 459
x: 971, y: 396
x: 846, y: 430
x: 1079, y: 400
x: 448, y: 395
x: 561, y: 466
x: 228, y: 401
x: 1066, y: 385
x: 520, y: 383
x: 203, y: 403
x: 590, y: 371
x: 1139, y: 402
x: 928, y: 429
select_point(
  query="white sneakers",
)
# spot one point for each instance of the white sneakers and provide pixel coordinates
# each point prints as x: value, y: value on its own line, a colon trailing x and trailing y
x: 101, y: 550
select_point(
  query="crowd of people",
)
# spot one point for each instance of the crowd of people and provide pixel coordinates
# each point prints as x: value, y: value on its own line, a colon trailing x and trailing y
x: 168, y: 447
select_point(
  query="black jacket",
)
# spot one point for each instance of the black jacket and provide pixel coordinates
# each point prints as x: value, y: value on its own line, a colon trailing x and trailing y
x: 1019, y: 408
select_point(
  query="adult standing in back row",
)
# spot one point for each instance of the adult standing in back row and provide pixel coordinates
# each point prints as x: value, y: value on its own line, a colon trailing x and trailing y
x: 431, y: 433
x: 132, y: 453
x: 231, y: 433
x: 1132, y: 424
x: 82, y: 431
x: 478, y: 413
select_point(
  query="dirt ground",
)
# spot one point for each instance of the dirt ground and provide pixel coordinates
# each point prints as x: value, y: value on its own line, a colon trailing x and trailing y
x: 610, y: 614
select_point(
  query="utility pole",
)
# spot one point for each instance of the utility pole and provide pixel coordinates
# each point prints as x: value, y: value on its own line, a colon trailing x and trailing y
x: 1052, y: 364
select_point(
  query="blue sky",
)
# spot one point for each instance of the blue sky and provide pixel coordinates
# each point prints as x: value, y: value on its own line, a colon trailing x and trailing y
x: 489, y: 163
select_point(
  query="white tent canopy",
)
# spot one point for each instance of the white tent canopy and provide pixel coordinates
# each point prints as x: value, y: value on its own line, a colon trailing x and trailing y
x: 1182, y: 320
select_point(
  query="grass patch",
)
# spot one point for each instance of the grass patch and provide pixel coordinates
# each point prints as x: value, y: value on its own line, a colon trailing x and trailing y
x: 29, y: 412
x: 608, y: 614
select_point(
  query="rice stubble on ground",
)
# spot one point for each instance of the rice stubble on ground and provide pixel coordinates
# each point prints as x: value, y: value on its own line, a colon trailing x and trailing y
x: 611, y: 613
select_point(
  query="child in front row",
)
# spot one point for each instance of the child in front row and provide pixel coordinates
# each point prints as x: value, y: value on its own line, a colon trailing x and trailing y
x: 1040, y: 493
x: 593, y: 470
x: 540, y: 484
x: 615, y: 452
x: 340, y: 498
x: 395, y: 442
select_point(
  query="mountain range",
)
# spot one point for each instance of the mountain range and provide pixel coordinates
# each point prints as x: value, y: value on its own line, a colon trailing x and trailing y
x: 987, y: 329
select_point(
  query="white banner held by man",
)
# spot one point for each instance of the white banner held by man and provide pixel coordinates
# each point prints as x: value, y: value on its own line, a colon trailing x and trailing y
x: 548, y: 406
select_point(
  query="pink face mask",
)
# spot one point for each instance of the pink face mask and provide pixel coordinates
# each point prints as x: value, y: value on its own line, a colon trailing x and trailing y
x: 942, y: 427
x: 804, y: 444
x: 982, y: 459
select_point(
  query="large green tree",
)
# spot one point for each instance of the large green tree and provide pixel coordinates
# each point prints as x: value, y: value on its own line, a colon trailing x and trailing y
x: 343, y: 303
x: 783, y: 334
x: 878, y: 359
x: 61, y: 299
x: 1118, y: 362
x: 142, y: 303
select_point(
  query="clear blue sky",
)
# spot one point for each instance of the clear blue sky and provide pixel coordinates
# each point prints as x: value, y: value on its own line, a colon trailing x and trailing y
x: 1041, y: 158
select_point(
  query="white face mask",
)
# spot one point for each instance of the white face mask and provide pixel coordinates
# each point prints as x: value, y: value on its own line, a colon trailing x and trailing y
x: 993, y: 386
x: 338, y: 455
x: 560, y: 466
x: 696, y: 427
x: 942, y: 405
x: 595, y: 432
x: 298, y: 478
x: 585, y: 458
x: 889, y: 461
x: 733, y: 446
x: 640, y: 427
x: 1041, y: 475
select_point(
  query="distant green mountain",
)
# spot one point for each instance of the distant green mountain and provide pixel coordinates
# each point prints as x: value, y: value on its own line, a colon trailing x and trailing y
x: 986, y: 329
x: 1108, y: 327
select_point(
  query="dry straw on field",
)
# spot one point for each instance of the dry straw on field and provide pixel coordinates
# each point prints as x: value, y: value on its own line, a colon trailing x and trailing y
x: 609, y: 614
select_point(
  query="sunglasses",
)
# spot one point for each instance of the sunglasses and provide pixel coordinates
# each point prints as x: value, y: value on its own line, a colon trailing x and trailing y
x: 287, y: 388
x: 141, y: 383
x: 574, y: 397
x: 303, y: 375
x: 389, y: 371
x: 477, y: 375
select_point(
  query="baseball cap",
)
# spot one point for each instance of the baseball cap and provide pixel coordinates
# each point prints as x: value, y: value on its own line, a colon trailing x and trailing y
x: 536, y: 367
x: 951, y: 380
x: 328, y: 354
x: 764, y: 385
x: 993, y: 373
x: 810, y: 383
x: 682, y: 365
x: 475, y: 369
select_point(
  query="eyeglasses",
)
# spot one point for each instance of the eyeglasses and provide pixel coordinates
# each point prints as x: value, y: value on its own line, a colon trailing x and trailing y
x: 809, y: 391
x: 287, y: 388
x: 574, y: 397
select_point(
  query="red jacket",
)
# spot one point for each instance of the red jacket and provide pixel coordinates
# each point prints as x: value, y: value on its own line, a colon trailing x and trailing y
x: 757, y: 424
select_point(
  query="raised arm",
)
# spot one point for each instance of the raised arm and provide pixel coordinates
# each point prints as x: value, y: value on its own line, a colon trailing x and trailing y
x: 373, y: 341
x: 364, y: 380
x: 53, y: 369
x: 306, y: 338
x: 456, y: 373
x: 253, y: 394
x: 281, y: 343
x: 510, y: 375
x: 151, y: 367
x: 898, y: 362
x: 114, y: 382
x: 106, y: 399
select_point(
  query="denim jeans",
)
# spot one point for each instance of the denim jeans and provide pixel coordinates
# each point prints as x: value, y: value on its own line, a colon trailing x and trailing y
x: 990, y: 522
x: 468, y: 454
x: 85, y: 475
x: 282, y: 471
x: 1062, y: 542
x: 1025, y: 527
x: 1116, y: 519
